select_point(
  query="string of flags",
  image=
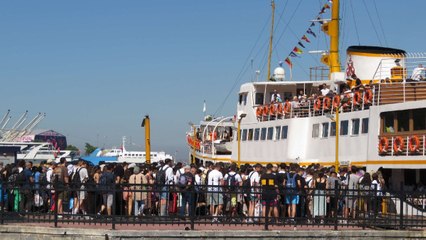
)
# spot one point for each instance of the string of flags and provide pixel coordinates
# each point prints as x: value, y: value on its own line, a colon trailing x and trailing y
x: 297, y: 50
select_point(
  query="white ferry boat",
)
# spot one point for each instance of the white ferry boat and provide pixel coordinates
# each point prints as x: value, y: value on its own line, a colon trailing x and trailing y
x: 379, y: 124
x: 133, y: 156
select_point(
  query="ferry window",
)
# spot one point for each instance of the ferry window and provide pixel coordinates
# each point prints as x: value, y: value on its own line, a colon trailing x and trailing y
x: 277, y: 132
x: 388, y: 122
x: 242, y: 98
x: 250, y: 134
x: 270, y: 133
x: 315, y: 130
x: 333, y: 129
x: 355, y: 126
x: 256, y: 134
x: 263, y: 134
x: 284, y: 132
x: 259, y: 99
x: 344, y: 127
x: 364, y: 128
x: 325, y: 130
x: 419, y: 119
x: 403, y: 118
x: 244, y: 136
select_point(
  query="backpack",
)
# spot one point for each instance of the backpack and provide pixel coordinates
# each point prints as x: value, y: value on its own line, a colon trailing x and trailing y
x: 58, y: 179
x: 291, y: 182
x: 42, y: 180
x: 247, y: 184
x: 184, y: 179
x: 20, y: 179
x: 160, y: 178
x: 232, y: 182
x: 75, y: 179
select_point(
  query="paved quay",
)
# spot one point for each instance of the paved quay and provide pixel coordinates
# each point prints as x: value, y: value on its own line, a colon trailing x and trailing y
x: 35, y: 232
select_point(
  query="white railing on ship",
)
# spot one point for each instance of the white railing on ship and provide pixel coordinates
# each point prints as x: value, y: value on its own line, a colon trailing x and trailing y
x: 306, y: 109
x: 408, y: 62
x: 406, y: 147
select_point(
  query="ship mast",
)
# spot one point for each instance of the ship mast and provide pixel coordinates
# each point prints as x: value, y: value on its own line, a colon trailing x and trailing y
x: 332, y: 29
x: 268, y: 77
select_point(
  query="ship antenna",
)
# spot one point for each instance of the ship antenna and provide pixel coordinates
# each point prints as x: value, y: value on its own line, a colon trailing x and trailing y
x: 270, y: 41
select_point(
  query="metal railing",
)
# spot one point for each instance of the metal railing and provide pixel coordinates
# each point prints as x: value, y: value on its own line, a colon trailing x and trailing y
x: 403, y: 145
x: 319, y: 106
x: 337, y: 208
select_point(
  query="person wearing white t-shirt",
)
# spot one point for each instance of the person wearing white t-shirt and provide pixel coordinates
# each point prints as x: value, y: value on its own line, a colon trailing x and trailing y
x: 81, y: 170
x: 169, y: 180
x: 254, y: 177
x: 215, y: 197
x: 276, y: 97
x: 325, y: 90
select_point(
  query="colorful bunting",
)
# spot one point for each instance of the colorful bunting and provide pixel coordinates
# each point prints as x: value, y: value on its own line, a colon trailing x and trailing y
x: 288, y: 61
x: 297, y: 50
x: 306, y: 38
x: 311, y: 32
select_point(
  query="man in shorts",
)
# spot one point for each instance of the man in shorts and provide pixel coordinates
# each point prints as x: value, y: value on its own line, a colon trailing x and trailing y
x: 268, y: 182
x: 292, y: 196
x: 214, y: 192
x: 254, y: 197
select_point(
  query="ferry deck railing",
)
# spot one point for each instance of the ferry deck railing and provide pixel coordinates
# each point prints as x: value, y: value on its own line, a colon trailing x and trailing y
x: 402, y: 145
x: 189, y: 206
x: 319, y: 106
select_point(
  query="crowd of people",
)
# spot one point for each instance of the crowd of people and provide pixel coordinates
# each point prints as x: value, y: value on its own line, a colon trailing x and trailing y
x: 220, y: 191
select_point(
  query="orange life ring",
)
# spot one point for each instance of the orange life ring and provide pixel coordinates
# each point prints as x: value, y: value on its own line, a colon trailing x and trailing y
x: 368, y: 96
x: 272, y: 109
x: 414, y: 144
x: 259, y: 111
x: 287, y: 107
x: 383, y: 144
x: 356, y: 98
x: 280, y: 108
x: 265, y: 110
x: 336, y: 101
x: 327, y: 103
x: 317, y: 104
x: 398, y: 144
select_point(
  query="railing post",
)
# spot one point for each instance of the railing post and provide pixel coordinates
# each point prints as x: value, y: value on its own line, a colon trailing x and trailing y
x: 336, y: 197
x: 192, y: 206
x: 406, y: 145
x: 401, y: 207
x: 2, y: 202
x: 55, y: 217
x: 114, y: 193
x: 378, y: 95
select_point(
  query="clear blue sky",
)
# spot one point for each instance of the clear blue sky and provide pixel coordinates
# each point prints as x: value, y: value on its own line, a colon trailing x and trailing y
x: 97, y: 67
